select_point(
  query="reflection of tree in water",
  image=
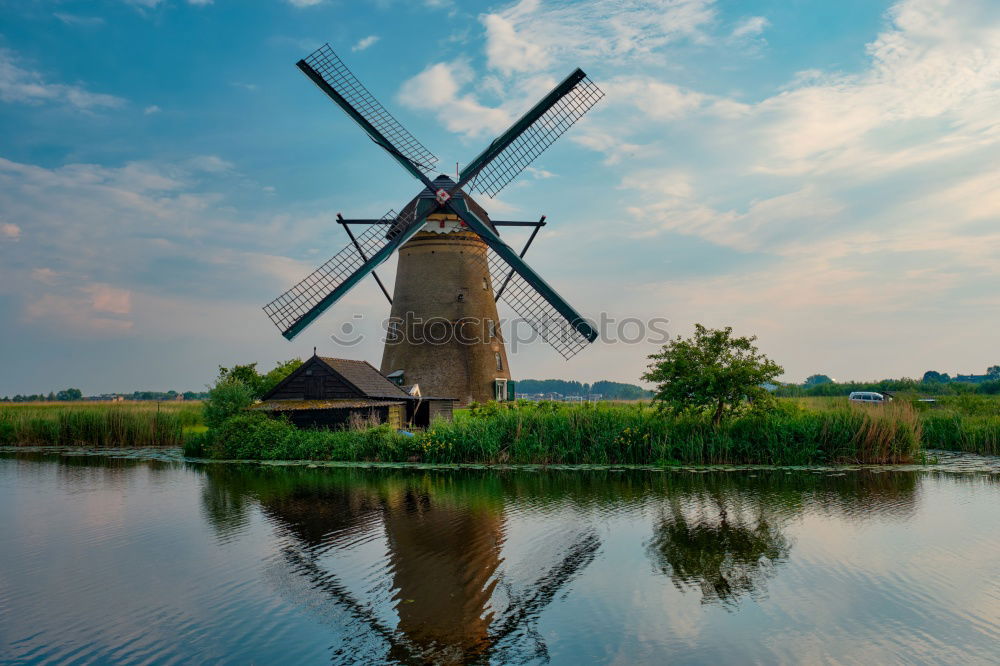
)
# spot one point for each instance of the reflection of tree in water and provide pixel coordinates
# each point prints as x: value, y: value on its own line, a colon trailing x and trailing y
x: 444, y: 534
x: 724, y: 555
x: 722, y: 533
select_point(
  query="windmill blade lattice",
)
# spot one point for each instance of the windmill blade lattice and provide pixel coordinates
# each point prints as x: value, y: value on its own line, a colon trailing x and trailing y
x: 533, y: 141
x: 534, y: 309
x: 325, y: 62
x: 286, y: 310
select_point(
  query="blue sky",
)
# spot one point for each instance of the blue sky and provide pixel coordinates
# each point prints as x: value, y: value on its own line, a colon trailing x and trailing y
x: 824, y: 175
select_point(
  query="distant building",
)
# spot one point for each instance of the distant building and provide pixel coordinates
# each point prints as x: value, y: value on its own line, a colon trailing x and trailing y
x: 329, y: 392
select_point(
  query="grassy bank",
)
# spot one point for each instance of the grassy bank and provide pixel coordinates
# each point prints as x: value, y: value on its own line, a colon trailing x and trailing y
x: 590, y: 434
x: 969, y: 423
x: 97, y: 424
x: 801, y: 431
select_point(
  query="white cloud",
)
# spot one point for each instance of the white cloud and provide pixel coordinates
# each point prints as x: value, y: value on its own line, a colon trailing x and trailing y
x: 252, y: 87
x: 108, y: 299
x: 936, y: 63
x: 539, y: 174
x: 365, y: 42
x: 748, y: 27
x: 210, y: 164
x: 657, y: 99
x: 530, y: 35
x: 137, y: 241
x: 304, y: 3
x: 150, y: 110
x: 45, y: 275
x: 21, y: 85
x: 507, y: 51
x: 75, y: 19
x: 437, y: 89
x: 10, y: 231
x: 615, y: 148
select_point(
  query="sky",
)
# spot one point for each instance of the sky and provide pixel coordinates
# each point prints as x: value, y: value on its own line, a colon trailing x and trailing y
x: 825, y: 176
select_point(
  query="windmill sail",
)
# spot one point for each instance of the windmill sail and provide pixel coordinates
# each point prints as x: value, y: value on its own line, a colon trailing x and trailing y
x: 535, y: 310
x: 299, y: 306
x: 538, y: 304
x: 333, y: 77
x: 536, y: 130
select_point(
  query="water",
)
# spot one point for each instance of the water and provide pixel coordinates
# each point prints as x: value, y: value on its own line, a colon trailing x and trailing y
x: 148, y: 559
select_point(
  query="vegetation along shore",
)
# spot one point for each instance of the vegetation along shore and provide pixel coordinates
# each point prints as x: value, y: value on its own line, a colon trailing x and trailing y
x: 688, y: 421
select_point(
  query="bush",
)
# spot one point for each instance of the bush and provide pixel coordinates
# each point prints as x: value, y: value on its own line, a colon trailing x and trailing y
x: 226, y: 399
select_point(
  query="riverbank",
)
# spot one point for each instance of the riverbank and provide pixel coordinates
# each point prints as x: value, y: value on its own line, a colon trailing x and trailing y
x: 818, y: 431
x: 589, y: 434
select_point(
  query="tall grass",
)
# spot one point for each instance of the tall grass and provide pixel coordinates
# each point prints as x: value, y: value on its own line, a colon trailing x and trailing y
x: 103, y: 425
x: 550, y: 433
x: 955, y: 431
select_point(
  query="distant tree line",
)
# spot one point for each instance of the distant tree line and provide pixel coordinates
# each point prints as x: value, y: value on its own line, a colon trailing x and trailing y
x: 604, y: 388
x: 62, y: 396
x: 71, y: 394
x: 932, y: 383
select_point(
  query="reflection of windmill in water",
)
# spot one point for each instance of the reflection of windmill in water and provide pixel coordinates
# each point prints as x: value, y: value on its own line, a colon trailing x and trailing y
x: 453, y: 267
x: 443, y: 557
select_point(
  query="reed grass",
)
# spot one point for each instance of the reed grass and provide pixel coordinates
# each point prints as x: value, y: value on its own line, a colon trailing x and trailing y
x: 95, y: 425
x: 954, y: 431
x: 550, y: 433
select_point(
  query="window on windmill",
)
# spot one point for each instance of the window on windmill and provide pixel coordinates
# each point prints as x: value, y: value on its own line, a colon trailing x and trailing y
x: 486, y: 285
x: 491, y: 327
x: 394, y: 333
x: 461, y: 298
x: 499, y: 362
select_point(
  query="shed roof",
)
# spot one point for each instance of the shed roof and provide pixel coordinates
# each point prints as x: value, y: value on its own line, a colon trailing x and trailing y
x: 299, y: 405
x: 364, y: 377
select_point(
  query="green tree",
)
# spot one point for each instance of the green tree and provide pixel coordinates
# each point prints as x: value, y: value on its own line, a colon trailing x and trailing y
x: 712, y: 372
x: 933, y: 376
x: 816, y: 380
x: 238, y: 387
x: 993, y: 371
x: 246, y: 374
x: 258, y: 384
x: 276, y: 375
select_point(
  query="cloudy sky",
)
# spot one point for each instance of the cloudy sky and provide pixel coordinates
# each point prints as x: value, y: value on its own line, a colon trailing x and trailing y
x: 823, y: 175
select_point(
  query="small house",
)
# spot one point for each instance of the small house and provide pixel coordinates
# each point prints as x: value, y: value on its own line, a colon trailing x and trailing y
x: 336, y: 393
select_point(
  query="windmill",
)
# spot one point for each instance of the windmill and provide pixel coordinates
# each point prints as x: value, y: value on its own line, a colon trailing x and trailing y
x: 453, y: 267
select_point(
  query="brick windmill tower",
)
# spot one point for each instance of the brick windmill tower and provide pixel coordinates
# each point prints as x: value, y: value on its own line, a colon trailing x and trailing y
x: 444, y: 329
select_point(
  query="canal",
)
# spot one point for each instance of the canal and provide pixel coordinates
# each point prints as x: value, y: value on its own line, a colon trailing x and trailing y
x: 142, y: 557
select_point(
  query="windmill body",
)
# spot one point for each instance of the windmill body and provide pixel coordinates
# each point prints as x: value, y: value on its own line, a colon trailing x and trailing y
x: 444, y: 330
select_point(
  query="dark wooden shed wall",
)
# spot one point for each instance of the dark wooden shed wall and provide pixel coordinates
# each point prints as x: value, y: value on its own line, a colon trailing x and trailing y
x: 322, y: 383
x: 339, y: 418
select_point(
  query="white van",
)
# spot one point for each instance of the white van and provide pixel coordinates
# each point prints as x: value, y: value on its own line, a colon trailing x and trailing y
x: 868, y: 397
